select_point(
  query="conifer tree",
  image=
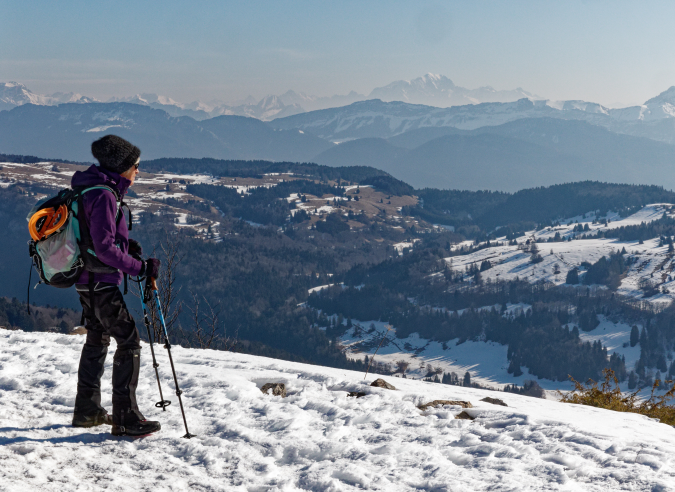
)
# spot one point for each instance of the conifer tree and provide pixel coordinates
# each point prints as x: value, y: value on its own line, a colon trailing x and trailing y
x: 632, y: 380
x: 661, y: 363
x: 572, y: 276
x: 634, y: 336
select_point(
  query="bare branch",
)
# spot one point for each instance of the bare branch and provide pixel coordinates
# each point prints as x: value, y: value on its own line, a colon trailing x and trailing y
x: 168, y: 293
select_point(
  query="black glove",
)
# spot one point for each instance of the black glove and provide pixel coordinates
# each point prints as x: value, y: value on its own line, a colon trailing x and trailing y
x: 135, y: 249
x: 150, y: 268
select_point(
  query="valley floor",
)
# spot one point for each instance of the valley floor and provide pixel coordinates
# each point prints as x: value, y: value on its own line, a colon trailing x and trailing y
x: 316, y: 439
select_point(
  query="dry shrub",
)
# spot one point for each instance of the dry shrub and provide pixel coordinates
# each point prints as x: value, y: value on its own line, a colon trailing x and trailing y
x: 609, y: 396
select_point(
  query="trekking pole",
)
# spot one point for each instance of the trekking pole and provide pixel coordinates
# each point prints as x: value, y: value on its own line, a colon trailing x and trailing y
x: 162, y: 403
x: 152, y: 285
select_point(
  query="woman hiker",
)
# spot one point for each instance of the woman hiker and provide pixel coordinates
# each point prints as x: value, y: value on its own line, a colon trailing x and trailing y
x: 102, y: 302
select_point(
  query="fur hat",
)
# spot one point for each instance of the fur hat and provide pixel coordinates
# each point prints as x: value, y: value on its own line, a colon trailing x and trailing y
x: 115, y: 154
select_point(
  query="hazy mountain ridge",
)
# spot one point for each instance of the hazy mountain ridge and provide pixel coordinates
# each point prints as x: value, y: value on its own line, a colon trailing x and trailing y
x: 524, y: 153
x: 66, y: 131
x: 375, y: 118
x: 498, y: 146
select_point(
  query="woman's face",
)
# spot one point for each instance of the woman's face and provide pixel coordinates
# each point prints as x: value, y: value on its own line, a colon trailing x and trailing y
x: 132, y: 172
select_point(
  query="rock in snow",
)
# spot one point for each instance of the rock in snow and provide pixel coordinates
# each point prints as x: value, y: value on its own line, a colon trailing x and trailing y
x: 465, y: 416
x: 278, y: 389
x: 356, y: 394
x: 436, y: 403
x: 381, y: 383
x: 494, y: 401
x: 315, y: 439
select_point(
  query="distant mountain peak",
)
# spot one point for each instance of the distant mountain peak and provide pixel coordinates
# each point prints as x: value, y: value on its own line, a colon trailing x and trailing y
x: 667, y: 96
x: 438, y: 90
x: 433, y: 76
x: 146, y: 99
x: 13, y: 84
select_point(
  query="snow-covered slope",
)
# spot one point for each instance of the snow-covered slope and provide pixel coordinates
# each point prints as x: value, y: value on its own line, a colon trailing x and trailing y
x: 652, y: 261
x: 315, y: 439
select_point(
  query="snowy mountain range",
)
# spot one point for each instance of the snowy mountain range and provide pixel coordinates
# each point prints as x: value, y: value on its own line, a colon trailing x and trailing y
x: 438, y: 101
x: 266, y: 109
x: 431, y: 89
x: 13, y: 94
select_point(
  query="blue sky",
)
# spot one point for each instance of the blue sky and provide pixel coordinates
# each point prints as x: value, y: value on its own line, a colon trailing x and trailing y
x: 608, y: 52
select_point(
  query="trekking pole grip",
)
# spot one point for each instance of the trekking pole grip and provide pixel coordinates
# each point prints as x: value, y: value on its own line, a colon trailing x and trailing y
x: 153, y: 283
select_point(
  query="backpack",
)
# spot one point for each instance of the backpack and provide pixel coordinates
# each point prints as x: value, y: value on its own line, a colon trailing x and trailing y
x: 61, y: 246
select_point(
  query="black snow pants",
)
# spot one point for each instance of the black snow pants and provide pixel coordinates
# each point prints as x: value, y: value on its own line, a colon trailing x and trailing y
x: 108, y: 316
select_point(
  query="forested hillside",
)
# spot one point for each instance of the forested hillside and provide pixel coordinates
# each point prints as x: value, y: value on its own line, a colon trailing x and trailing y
x: 477, y: 212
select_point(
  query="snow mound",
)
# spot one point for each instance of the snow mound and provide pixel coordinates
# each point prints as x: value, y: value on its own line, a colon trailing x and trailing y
x: 315, y: 439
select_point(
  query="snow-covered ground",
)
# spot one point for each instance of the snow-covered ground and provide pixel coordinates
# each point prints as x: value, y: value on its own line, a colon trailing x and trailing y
x: 399, y: 247
x: 316, y: 439
x: 319, y: 288
x: 163, y: 178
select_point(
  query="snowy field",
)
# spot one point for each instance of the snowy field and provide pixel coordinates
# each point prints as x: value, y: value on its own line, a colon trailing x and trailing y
x: 316, y: 439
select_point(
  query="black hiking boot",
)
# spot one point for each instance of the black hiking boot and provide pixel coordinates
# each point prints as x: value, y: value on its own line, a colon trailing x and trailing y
x: 99, y: 418
x: 137, y: 429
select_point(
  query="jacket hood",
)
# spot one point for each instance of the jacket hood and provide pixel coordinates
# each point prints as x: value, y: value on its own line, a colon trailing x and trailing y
x: 96, y: 176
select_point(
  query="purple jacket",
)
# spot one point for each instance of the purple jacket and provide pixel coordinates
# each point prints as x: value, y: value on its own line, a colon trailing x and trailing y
x: 111, y: 240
